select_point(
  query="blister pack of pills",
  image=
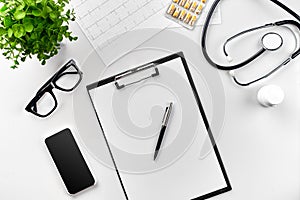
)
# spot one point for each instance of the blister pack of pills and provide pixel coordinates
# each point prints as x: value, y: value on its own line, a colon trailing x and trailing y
x: 185, y: 12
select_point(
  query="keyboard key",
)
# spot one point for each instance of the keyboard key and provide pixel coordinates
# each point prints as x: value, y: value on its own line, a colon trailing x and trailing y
x: 138, y: 17
x: 142, y: 3
x: 129, y: 24
x: 87, y: 21
x: 122, y: 12
x: 131, y: 6
x: 112, y: 19
x: 94, y: 31
x: 146, y: 12
x: 103, y: 25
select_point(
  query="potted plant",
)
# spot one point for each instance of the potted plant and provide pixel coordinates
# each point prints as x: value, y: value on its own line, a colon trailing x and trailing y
x: 33, y: 27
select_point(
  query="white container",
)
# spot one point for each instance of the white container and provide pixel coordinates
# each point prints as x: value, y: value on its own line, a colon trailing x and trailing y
x: 270, y: 95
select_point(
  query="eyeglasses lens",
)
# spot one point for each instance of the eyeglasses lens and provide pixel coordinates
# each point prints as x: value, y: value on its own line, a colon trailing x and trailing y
x: 45, y: 104
x: 68, y: 79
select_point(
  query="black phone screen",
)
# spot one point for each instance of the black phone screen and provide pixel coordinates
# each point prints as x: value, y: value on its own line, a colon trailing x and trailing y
x: 69, y: 161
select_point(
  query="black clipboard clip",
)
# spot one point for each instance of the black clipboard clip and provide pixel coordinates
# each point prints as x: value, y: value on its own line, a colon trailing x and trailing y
x: 134, y: 71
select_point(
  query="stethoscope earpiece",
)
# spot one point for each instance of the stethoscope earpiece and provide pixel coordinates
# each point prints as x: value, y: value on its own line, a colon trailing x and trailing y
x: 229, y: 58
x: 271, y: 41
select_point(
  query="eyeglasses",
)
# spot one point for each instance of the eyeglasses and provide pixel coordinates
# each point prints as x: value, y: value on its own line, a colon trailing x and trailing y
x: 66, y: 79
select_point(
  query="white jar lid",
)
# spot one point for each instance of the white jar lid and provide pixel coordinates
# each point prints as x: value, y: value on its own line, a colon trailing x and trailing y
x: 270, y: 95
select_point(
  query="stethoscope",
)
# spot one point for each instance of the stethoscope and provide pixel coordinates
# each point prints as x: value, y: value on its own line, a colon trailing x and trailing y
x: 269, y: 42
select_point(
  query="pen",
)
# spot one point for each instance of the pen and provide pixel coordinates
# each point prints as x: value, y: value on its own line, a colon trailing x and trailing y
x: 163, y: 128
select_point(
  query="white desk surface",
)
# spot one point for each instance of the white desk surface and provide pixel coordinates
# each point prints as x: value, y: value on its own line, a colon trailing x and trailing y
x: 260, y: 147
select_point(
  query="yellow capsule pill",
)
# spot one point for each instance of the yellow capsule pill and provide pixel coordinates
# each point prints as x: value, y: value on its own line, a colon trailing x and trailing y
x: 199, y: 9
x: 187, y: 18
x: 182, y: 2
x: 188, y: 4
x: 194, y: 6
x: 171, y: 9
x: 182, y: 15
x: 175, y: 1
x: 176, y: 13
x: 193, y: 20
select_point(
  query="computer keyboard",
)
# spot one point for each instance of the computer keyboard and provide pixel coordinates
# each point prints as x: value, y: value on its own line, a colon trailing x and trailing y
x: 102, y: 20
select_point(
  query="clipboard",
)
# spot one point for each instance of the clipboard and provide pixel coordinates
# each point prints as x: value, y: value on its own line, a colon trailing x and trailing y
x: 178, y: 172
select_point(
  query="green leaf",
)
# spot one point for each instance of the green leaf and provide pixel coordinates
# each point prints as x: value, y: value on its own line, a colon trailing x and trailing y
x: 19, y: 14
x: 44, y: 14
x: 13, y: 44
x: 20, y: 7
x: 30, y: 2
x: 59, y: 38
x: 7, y: 21
x: 43, y: 2
x: 18, y: 30
x: 33, y: 36
x: 58, y: 22
x: 53, y: 16
x: 3, y: 9
x: 68, y: 13
x: 36, y: 12
x: 48, y: 9
x: 2, y: 31
x: 28, y: 27
x: 27, y: 20
x: 23, y: 59
x: 10, y: 32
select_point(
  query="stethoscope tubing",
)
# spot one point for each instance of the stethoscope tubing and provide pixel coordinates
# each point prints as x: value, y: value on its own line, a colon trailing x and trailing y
x: 260, y: 52
x: 285, y: 62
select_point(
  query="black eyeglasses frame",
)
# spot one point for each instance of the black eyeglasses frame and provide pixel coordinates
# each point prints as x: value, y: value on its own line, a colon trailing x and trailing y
x: 50, y: 85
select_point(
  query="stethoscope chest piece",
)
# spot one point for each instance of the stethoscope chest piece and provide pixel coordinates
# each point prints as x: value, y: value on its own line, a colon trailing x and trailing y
x: 271, y: 41
x: 270, y: 95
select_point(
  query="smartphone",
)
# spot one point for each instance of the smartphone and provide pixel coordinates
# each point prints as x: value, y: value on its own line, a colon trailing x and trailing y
x: 69, y: 161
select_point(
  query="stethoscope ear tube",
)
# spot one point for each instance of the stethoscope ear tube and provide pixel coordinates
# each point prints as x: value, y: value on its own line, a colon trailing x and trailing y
x: 204, y: 49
